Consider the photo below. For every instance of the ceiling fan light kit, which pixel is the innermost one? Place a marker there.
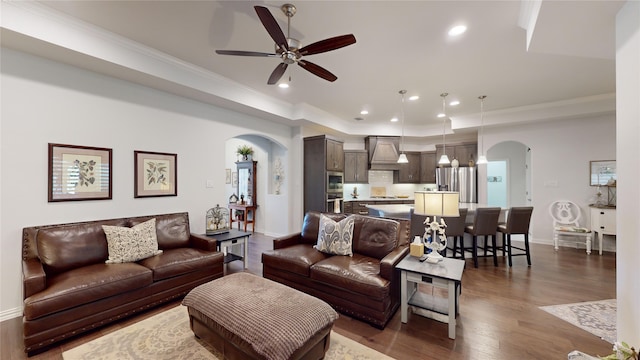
(289, 50)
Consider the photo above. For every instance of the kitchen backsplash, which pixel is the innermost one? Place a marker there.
(383, 179)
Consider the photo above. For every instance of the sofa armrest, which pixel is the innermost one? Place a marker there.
(203, 242)
(286, 241)
(389, 262)
(34, 279)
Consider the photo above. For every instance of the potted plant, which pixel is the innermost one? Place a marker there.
(246, 151)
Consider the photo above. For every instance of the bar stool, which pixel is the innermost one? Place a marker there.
(455, 229)
(518, 222)
(485, 224)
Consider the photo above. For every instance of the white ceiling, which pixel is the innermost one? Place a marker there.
(566, 66)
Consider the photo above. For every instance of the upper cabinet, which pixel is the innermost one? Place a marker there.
(409, 172)
(356, 163)
(335, 155)
(428, 164)
(463, 152)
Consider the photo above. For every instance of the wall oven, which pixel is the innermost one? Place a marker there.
(334, 182)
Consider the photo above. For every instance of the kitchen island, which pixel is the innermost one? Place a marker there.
(404, 210)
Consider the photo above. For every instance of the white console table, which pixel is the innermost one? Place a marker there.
(603, 222)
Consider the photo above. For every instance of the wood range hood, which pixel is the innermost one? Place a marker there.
(383, 152)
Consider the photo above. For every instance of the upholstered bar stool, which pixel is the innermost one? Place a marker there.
(485, 224)
(455, 229)
(518, 222)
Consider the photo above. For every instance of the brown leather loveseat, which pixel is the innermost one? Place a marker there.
(365, 285)
(69, 289)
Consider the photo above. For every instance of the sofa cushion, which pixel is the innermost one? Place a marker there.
(69, 246)
(335, 237)
(172, 230)
(311, 223)
(359, 274)
(84, 285)
(296, 259)
(131, 244)
(374, 237)
(175, 262)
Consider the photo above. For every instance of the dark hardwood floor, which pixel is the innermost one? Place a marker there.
(499, 315)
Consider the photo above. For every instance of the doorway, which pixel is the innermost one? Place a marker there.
(497, 183)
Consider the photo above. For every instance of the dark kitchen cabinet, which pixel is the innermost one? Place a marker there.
(462, 152)
(410, 172)
(428, 164)
(335, 155)
(356, 163)
(320, 156)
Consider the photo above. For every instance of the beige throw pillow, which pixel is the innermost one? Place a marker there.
(335, 237)
(131, 244)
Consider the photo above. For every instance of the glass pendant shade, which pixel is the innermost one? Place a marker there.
(402, 159)
(444, 159)
(481, 160)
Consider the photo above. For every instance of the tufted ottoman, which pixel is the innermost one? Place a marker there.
(247, 317)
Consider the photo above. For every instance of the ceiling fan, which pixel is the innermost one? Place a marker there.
(289, 50)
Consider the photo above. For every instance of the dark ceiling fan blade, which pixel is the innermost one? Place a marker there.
(244, 53)
(277, 73)
(328, 44)
(317, 70)
(269, 23)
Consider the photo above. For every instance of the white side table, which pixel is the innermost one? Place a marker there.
(603, 222)
(447, 274)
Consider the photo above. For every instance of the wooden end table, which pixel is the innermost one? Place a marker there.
(246, 209)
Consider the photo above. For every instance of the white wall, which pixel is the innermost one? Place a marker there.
(44, 101)
(560, 155)
(628, 150)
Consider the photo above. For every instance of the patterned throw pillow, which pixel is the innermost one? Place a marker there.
(131, 244)
(335, 237)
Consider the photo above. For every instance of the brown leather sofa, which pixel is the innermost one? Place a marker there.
(365, 286)
(69, 289)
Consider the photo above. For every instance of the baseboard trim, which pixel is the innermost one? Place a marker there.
(10, 314)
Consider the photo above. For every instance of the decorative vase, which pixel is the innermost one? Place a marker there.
(455, 163)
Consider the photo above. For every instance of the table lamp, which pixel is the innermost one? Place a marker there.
(436, 203)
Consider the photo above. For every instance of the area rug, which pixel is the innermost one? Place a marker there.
(167, 336)
(596, 317)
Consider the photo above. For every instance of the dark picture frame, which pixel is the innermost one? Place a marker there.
(155, 174)
(79, 173)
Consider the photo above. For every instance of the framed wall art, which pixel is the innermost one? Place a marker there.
(79, 173)
(155, 174)
(227, 178)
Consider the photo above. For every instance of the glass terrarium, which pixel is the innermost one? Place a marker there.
(217, 220)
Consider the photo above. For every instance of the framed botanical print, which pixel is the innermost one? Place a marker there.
(79, 173)
(155, 174)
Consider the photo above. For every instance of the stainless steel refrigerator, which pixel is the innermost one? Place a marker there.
(463, 180)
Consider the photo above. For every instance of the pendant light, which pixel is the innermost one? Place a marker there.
(444, 159)
(402, 159)
(482, 159)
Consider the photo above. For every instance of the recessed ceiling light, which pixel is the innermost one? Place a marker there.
(414, 97)
(364, 112)
(457, 30)
(395, 119)
(454, 103)
(441, 115)
(283, 85)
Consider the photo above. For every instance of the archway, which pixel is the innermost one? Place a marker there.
(271, 180)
